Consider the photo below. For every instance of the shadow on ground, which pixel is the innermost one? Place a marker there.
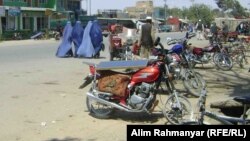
(138, 117)
(66, 139)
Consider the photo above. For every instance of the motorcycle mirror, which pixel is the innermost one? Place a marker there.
(157, 41)
(187, 35)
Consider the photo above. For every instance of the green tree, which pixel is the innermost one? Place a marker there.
(200, 11)
(232, 6)
(175, 12)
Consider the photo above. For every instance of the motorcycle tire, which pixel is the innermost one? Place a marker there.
(240, 60)
(57, 37)
(102, 47)
(223, 62)
(101, 111)
(193, 87)
(111, 56)
(97, 55)
(175, 115)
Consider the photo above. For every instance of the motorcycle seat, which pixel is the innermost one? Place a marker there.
(231, 40)
(158, 51)
(207, 49)
(243, 99)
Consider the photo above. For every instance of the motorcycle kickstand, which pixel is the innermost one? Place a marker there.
(156, 102)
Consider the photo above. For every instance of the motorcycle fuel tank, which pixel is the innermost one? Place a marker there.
(147, 74)
(177, 48)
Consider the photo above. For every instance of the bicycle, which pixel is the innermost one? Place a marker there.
(237, 51)
(226, 120)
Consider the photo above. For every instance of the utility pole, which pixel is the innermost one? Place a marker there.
(90, 7)
(165, 9)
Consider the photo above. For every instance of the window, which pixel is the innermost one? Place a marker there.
(43, 1)
(42, 23)
(11, 23)
(26, 23)
(60, 5)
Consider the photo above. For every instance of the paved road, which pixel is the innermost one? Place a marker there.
(40, 99)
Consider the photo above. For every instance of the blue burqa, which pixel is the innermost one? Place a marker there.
(96, 36)
(77, 35)
(65, 46)
(86, 48)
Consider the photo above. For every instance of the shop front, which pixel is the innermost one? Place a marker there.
(24, 20)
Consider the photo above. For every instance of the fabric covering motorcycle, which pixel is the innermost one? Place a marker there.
(65, 45)
(113, 82)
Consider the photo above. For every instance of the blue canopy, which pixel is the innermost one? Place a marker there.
(65, 46)
(86, 48)
(77, 35)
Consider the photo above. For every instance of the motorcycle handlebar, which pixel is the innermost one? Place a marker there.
(162, 47)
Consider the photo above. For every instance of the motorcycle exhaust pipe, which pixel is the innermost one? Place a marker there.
(196, 61)
(91, 96)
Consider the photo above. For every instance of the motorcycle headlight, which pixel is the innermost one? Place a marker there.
(168, 59)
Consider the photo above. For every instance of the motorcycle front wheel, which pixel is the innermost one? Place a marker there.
(175, 114)
(239, 60)
(98, 110)
(194, 83)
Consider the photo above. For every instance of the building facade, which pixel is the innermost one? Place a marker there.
(24, 14)
(141, 9)
(32, 15)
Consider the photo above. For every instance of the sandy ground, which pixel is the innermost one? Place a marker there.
(40, 101)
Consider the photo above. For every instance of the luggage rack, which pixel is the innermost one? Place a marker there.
(130, 64)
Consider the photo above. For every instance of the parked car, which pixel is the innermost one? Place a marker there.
(164, 28)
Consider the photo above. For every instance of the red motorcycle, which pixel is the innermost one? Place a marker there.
(134, 91)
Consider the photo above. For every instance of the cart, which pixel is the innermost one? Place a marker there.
(121, 39)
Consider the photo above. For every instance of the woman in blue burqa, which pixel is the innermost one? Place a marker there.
(77, 35)
(65, 48)
(96, 37)
(86, 48)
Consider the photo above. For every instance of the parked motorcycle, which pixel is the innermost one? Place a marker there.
(204, 55)
(134, 91)
(214, 52)
(17, 36)
(179, 63)
(55, 34)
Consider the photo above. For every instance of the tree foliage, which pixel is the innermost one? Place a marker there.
(202, 12)
(232, 6)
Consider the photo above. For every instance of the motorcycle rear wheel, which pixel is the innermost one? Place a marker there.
(177, 115)
(224, 62)
(98, 110)
(239, 60)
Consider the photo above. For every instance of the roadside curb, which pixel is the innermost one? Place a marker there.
(25, 42)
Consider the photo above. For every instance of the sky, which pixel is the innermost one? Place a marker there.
(121, 4)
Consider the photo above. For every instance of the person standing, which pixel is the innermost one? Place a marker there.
(199, 29)
(224, 31)
(146, 38)
(65, 48)
(77, 34)
(59, 28)
(214, 31)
